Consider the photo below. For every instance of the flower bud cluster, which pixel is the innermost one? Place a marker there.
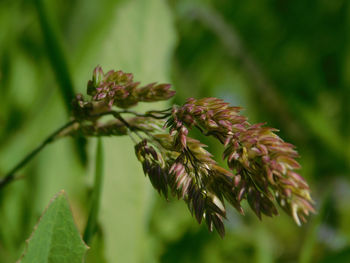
(191, 175)
(262, 163)
(153, 166)
(114, 127)
(119, 89)
(116, 88)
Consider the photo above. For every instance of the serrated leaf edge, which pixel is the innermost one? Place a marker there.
(60, 193)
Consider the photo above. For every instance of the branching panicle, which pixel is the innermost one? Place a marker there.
(262, 167)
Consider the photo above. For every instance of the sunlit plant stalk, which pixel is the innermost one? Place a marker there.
(91, 224)
(261, 166)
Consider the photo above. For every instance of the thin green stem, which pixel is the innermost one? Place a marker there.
(152, 114)
(91, 225)
(10, 176)
(118, 116)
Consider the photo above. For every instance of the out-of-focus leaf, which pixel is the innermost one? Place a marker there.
(140, 40)
(55, 238)
(308, 249)
(55, 54)
(339, 257)
(60, 68)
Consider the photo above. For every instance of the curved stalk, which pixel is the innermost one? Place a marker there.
(91, 224)
(10, 176)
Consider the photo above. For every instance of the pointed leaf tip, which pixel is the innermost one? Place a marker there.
(55, 238)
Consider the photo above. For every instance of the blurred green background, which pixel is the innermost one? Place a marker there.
(287, 62)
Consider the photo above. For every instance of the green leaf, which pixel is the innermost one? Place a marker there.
(55, 237)
(140, 40)
(55, 54)
(60, 67)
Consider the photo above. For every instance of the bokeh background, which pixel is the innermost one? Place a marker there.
(287, 62)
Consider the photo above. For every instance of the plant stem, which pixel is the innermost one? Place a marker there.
(9, 177)
(160, 115)
(96, 194)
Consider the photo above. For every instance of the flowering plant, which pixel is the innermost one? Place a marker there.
(261, 166)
